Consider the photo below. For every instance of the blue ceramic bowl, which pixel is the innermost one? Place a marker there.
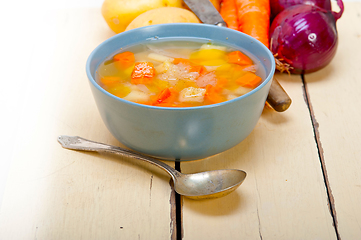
(181, 133)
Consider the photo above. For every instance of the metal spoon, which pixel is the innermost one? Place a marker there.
(201, 185)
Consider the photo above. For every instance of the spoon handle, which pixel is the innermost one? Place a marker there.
(78, 143)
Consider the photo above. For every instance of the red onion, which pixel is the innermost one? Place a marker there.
(278, 6)
(304, 38)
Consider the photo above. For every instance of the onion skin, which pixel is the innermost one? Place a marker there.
(278, 6)
(304, 37)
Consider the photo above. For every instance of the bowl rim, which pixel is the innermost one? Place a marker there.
(268, 78)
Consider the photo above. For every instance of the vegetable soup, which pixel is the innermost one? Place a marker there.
(179, 73)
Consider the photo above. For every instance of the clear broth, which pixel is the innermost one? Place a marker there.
(175, 49)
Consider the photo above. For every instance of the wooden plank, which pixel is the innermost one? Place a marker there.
(283, 196)
(53, 193)
(335, 98)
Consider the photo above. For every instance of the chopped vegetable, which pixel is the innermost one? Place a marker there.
(163, 67)
(198, 69)
(249, 79)
(124, 59)
(143, 73)
(192, 94)
(166, 98)
(239, 58)
(213, 94)
(178, 72)
(137, 96)
(164, 94)
(207, 54)
(208, 57)
(221, 84)
(159, 57)
(119, 90)
(207, 79)
(242, 90)
(182, 61)
(110, 80)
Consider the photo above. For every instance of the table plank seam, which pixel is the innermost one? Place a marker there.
(315, 125)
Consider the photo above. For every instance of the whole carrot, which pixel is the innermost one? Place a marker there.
(254, 18)
(228, 12)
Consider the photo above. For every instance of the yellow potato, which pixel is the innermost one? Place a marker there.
(163, 15)
(119, 13)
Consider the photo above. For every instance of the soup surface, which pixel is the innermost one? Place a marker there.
(179, 73)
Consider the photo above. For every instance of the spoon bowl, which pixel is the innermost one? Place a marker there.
(209, 184)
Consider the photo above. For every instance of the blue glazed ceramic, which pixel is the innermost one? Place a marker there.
(181, 133)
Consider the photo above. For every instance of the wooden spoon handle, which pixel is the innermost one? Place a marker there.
(277, 97)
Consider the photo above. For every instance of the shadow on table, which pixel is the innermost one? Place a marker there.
(129, 162)
(274, 117)
(228, 204)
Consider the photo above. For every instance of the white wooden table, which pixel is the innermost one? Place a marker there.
(303, 165)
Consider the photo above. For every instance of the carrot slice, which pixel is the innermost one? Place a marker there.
(181, 60)
(221, 83)
(213, 95)
(164, 94)
(109, 80)
(166, 98)
(249, 80)
(239, 58)
(124, 59)
(143, 73)
(198, 68)
(193, 67)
